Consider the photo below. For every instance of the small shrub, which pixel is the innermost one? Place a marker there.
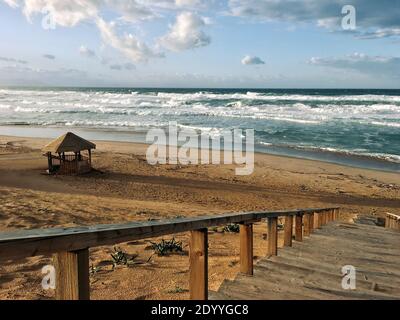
(178, 290)
(166, 247)
(119, 257)
(93, 270)
(233, 228)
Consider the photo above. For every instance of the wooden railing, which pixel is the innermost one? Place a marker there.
(392, 221)
(70, 246)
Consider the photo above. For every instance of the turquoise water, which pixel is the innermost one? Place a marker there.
(324, 124)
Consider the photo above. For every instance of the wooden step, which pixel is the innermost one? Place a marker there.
(312, 269)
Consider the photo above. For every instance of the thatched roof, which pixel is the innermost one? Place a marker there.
(69, 142)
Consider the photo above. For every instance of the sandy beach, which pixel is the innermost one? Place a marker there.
(126, 188)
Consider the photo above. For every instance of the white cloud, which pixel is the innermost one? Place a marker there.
(128, 44)
(252, 60)
(375, 18)
(72, 12)
(126, 66)
(186, 33)
(49, 56)
(6, 59)
(362, 63)
(12, 3)
(85, 51)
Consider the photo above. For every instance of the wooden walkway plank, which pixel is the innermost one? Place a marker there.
(312, 268)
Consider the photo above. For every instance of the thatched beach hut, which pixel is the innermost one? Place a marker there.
(69, 154)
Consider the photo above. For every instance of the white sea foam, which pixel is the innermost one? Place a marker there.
(386, 124)
(278, 116)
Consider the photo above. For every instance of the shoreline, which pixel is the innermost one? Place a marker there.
(139, 137)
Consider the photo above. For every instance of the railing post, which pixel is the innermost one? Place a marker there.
(317, 220)
(198, 256)
(288, 230)
(272, 236)
(323, 220)
(299, 227)
(72, 275)
(306, 222)
(311, 219)
(246, 248)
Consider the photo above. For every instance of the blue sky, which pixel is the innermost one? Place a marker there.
(192, 43)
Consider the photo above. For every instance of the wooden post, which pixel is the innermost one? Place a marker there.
(299, 227)
(311, 218)
(272, 236)
(198, 256)
(90, 158)
(72, 275)
(246, 248)
(288, 229)
(317, 220)
(306, 225)
(323, 218)
(49, 162)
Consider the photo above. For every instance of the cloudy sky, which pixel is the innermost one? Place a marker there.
(194, 43)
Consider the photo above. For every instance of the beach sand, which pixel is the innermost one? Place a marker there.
(126, 188)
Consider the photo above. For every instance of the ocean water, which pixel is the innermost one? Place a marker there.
(355, 127)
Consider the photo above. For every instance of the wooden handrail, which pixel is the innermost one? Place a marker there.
(71, 255)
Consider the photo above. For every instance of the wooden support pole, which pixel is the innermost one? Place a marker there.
(90, 158)
(72, 275)
(299, 227)
(317, 220)
(323, 218)
(198, 269)
(288, 230)
(272, 235)
(311, 218)
(306, 222)
(49, 162)
(246, 248)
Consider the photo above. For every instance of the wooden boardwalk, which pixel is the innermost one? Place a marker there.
(312, 269)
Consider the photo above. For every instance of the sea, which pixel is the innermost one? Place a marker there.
(359, 128)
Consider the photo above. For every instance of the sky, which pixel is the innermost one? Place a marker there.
(194, 43)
